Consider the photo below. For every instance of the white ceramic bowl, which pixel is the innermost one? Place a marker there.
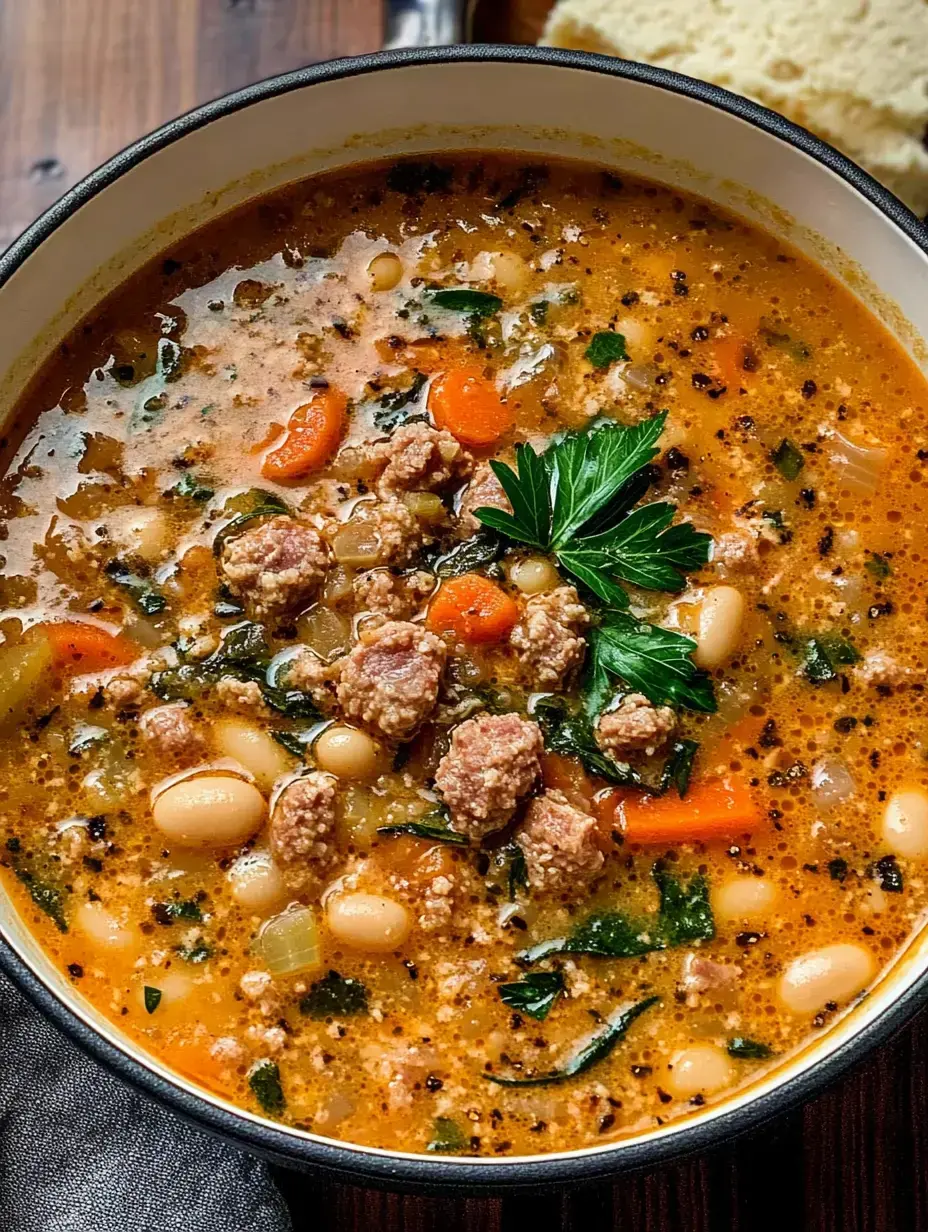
(538, 102)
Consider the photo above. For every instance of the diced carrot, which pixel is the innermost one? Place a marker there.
(313, 434)
(78, 647)
(566, 774)
(469, 406)
(714, 808)
(193, 1059)
(416, 861)
(474, 609)
(729, 354)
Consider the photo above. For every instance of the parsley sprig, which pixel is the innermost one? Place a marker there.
(576, 501)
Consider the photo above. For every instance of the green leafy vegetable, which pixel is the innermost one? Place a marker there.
(824, 655)
(294, 742)
(787, 459)
(773, 334)
(887, 874)
(748, 1049)
(576, 499)
(484, 548)
(535, 994)
(596, 1049)
(605, 348)
(335, 996)
(46, 895)
(684, 916)
(571, 735)
(878, 566)
(474, 304)
(262, 504)
(146, 596)
(152, 998)
(264, 1081)
(394, 406)
(188, 487)
(679, 767)
(197, 953)
(650, 660)
(447, 1137)
(176, 909)
(436, 827)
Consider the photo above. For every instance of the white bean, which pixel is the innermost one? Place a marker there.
(505, 268)
(368, 921)
(534, 575)
(139, 530)
(257, 751)
(698, 1070)
(832, 973)
(256, 882)
(905, 823)
(174, 987)
(102, 927)
(348, 753)
(745, 898)
(720, 618)
(209, 811)
(385, 271)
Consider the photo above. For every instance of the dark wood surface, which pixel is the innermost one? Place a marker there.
(79, 79)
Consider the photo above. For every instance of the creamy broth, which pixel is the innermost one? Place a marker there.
(469, 834)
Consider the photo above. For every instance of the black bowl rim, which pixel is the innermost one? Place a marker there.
(342, 1160)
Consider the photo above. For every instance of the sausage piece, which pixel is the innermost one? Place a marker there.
(635, 724)
(548, 638)
(492, 763)
(389, 681)
(419, 458)
(483, 491)
(559, 845)
(168, 731)
(302, 831)
(275, 568)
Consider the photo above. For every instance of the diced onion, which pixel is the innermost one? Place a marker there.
(859, 467)
(424, 505)
(832, 783)
(324, 631)
(290, 942)
(357, 544)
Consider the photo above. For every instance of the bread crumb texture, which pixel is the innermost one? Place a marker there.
(853, 71)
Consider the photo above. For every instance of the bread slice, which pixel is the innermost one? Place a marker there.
(853, 71)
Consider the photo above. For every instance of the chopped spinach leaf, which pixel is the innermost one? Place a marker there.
(197, 953)
(517, 870)
(263, 504)
(787, 459)
(605, 348)
(823, 655)
(773, 334)
(748, 1049)
(176, 909)
(294, 742)
(474, 304)
(447, 1137)
(438, 830)
(264, 1081)
(152, 998)
(46, 895)
(596, 1049)
(394, 406)
(571, 735)
(188, 487)
(878, 566)
(535, 994)
(679, 766)
(335, 996)
(684, 916)
(145, 595)
(484, 548)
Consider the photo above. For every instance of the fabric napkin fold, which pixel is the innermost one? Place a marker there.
(81, 1151)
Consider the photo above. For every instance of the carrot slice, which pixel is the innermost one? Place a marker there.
(714, 808)
(313, 434)
(78, 647)
(468, 405)
(729, 354)
(474, 609)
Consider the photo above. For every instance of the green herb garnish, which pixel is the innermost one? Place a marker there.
(576, 500)
(447, 1137)
(787, 459)
(824, 655)
(145, 595)
(482, 549)
(263, 505)
(152, 998)
(46, 895)
(294, 742)
(650, 660)
(775, 336)
(684, 916)
(394, 405)
(474, 304)
(571, 734)
(535, 994)
(748, 1049)
(437, 830)
(679, 766)
(878, 566)
(606, 348)
(335, 996)
(197, 953)
(596, 1049)
(264, 1081)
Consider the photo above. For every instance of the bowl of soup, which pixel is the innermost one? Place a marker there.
(463, 616)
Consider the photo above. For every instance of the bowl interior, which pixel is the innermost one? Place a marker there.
(539, 104)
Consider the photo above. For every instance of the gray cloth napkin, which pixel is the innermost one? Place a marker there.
(81, 1151)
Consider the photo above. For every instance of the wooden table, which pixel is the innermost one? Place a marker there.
(79, 79)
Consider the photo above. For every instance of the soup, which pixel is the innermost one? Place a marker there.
(462, 669)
